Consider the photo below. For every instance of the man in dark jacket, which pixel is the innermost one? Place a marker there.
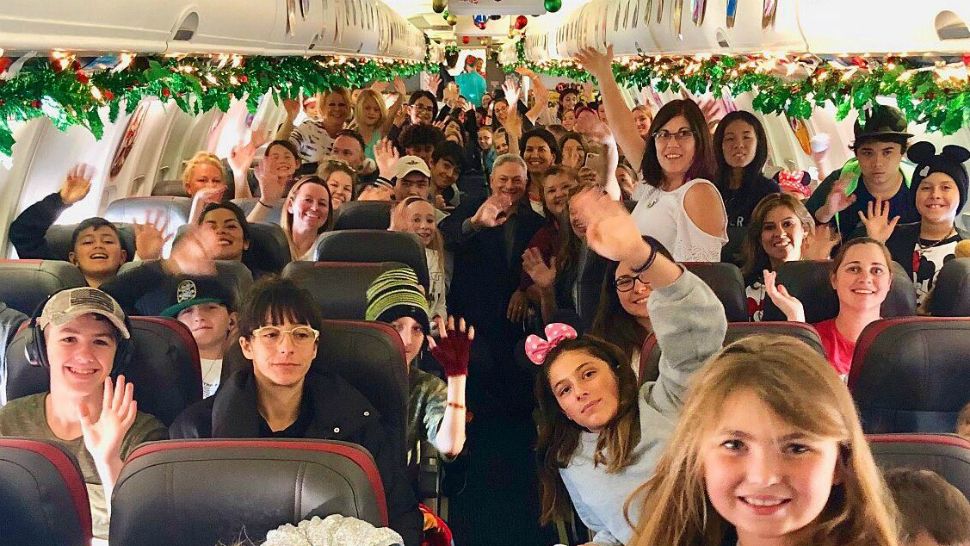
(279, 397)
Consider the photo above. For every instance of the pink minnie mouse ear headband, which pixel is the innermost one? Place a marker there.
(537, 348)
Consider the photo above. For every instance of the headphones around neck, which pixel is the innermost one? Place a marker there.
(35, 348)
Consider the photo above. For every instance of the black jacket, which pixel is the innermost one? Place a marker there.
(28, 229)
(340, 412)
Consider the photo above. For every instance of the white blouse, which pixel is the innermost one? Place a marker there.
(661, 215)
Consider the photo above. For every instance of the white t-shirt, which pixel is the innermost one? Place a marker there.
(661, 215)
(211, 371)
(439, 285)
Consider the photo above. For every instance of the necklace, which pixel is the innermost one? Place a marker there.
(921, 247)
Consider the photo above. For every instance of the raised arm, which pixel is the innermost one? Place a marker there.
(618, 114)
(28, 230)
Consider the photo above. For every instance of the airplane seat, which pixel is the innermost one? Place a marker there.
(365, 245)
(727, 283)
(268, 248)
(28, 283)
(339, 288)
(169, 188)
(731, 252)
(946, 454)
(369, 356)
(190, 491)
(45, 500)
(230, 272)
(363, 215)
(248, 203)
(911, 374)
(809, 281)
(650, 353)
(165, 368)
(59, 241)
(134, 209)
(951, 294)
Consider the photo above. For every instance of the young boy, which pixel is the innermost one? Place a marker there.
(208, 309)
(90, 409)
(932, 511)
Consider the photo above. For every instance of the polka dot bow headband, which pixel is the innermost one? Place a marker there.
(537, 348)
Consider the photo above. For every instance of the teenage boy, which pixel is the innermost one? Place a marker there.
(280, 397)
(208, 309)
(875, 174)
(84, 341)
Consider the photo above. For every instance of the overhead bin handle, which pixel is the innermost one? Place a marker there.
(187, 28)
(949, 26)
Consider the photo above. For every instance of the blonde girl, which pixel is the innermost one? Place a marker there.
(307, 213)
(417, 215)
(769, 450)
(373, 118)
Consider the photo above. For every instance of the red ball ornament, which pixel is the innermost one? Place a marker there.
(520, 22)
(5, 63)
(108, 95)
(35, 103)
(465, 40)
(243, 78)
(166, 92)
(966, 60)
(82, 77)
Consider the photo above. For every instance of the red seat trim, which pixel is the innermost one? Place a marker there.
(68, 472)
(929, 439)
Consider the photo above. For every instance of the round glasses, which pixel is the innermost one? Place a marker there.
(271, 336)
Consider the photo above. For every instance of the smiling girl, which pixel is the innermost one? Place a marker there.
(773, 454)
(599, 434)
(861, 277)
(417, 215)
(741, 148)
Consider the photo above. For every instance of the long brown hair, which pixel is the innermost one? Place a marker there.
(803, 390)
(286, 217)
(559, 436)
(612, 321)
(753, 257)
(704, 164)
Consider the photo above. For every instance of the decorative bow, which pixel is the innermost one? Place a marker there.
(791, 181)
(537, 348)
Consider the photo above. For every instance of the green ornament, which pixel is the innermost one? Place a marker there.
(552, 6)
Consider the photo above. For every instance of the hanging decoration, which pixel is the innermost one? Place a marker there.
(937, 94)
(520, 22)
(732, 12)
(439, 5)
(768, 14)
(495, 17)
(59, 89)
(552, 6)
(465, 40)
(480, 21)
(452, 19)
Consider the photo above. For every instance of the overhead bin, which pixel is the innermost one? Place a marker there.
(246, 27)
(881, 26)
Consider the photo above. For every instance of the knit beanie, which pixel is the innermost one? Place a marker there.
(395, 294)
(949, 161)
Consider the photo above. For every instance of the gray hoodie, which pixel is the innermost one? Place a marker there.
(688, 321)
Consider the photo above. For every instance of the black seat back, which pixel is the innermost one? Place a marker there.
(363, 215)
(28, 283)
(911, 374)
(946, 454)
(43, 498)
(951, 293)
(650, 353)
(339, 288)
(728, 285)
(365, 245)
(165, 368)
(196, 491)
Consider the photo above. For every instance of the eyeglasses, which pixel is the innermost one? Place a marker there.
(422, 108)
(626, 283)
(664, 135)
(271, 336)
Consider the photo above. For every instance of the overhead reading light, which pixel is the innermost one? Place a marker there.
(949, 26)
(186, 30)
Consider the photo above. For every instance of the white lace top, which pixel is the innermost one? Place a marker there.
(661, 215)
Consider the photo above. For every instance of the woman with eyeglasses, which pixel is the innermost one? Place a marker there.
(680, 208)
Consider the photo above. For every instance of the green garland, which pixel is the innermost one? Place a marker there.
(72, 97)
(922, 95)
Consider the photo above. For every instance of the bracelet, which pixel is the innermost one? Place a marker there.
(456, 405)
(653, 255)
(260, 201)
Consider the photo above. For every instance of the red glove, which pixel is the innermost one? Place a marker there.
(453, 348)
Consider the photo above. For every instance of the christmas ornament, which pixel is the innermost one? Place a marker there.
(552, 6)
(439, 5)
(520, 22)
(465, 40)
(452, 19)
(732, 12)
(480, 19)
